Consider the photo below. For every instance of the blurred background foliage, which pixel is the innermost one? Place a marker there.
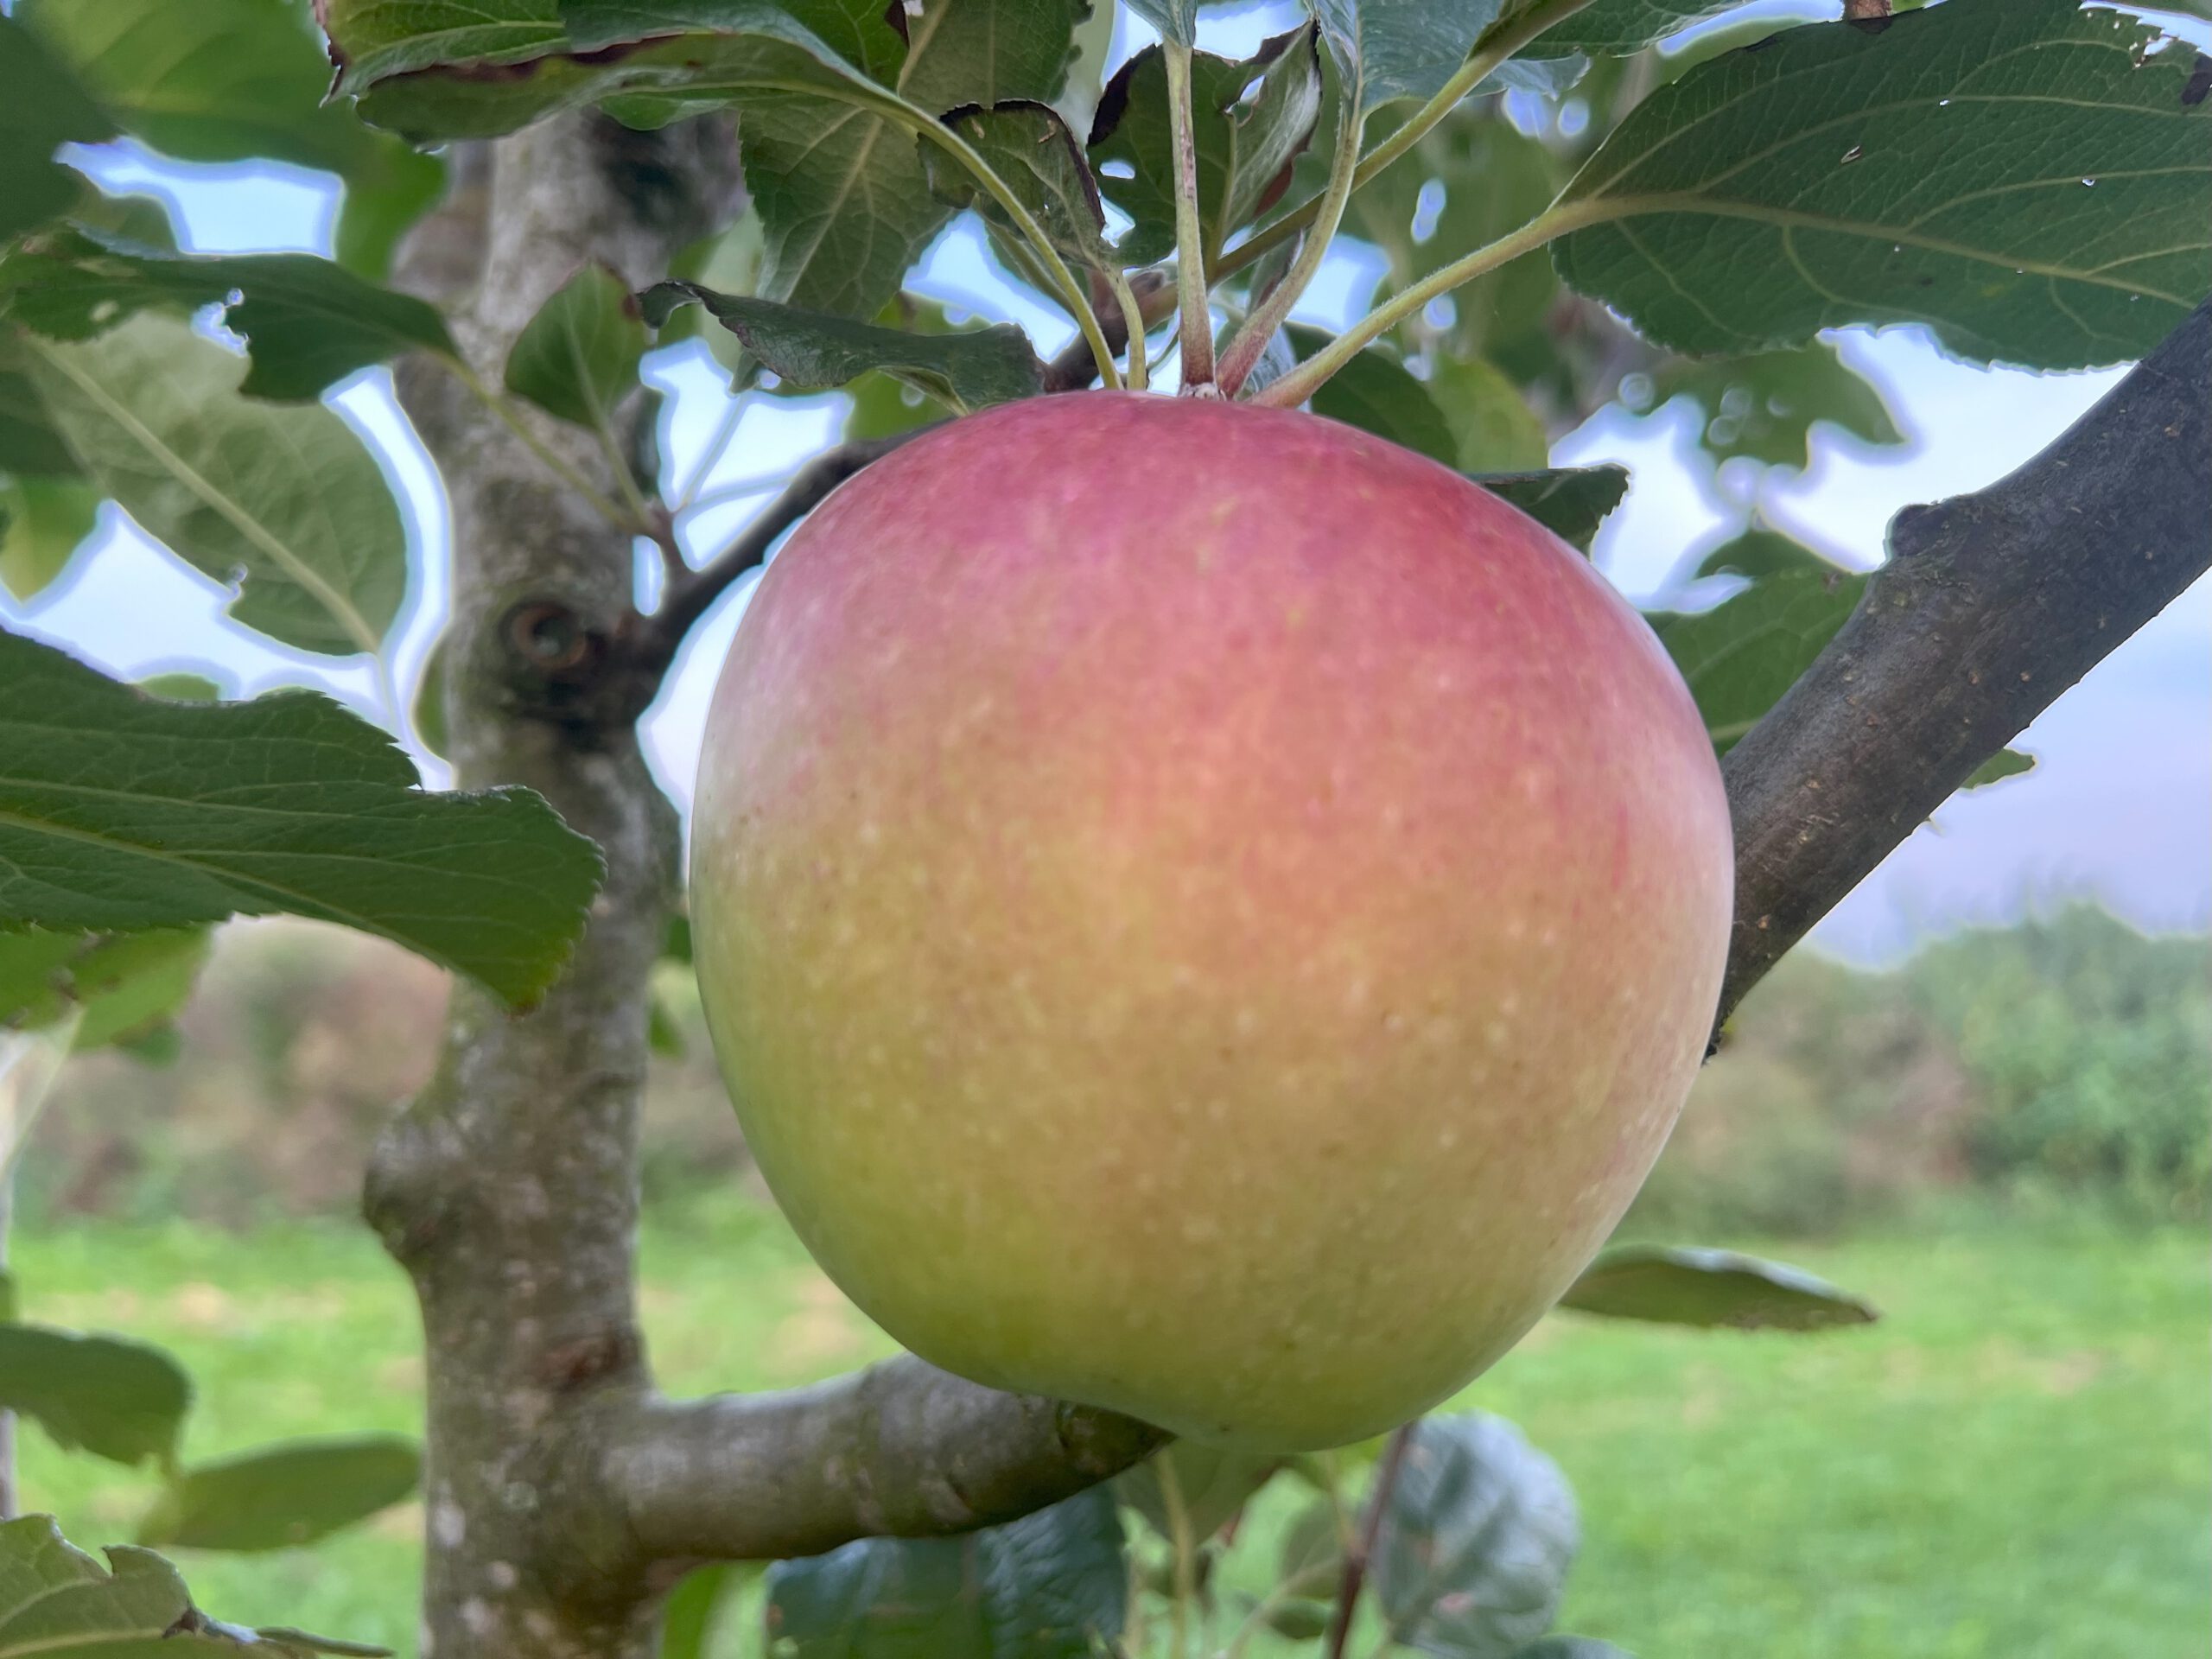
(2062, 1061)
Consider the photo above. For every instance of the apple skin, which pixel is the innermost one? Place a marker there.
(1202, 911)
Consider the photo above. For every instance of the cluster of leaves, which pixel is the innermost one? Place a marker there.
(1463, 1538)
(55, 1598)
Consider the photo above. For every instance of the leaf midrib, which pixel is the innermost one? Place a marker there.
(336, 604)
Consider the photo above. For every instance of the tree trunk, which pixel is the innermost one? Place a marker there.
(509, 1189)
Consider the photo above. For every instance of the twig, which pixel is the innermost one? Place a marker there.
(692, 593)
(1362, 1550)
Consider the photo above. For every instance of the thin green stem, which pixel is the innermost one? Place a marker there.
(1300, 384)
(555, 463)
(1505, 44)
(1139, 377)
(1191, 284)
(1270, 313)
(618, 464)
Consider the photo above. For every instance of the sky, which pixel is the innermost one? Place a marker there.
(2119, 807)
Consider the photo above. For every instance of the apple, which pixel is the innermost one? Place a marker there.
(1202, 911)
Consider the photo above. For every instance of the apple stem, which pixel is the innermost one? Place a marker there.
(1362, 1550)
(1192, 287)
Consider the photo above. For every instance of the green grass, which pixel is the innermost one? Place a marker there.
(2015, 1462)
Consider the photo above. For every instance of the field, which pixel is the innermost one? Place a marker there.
(2015, 1462)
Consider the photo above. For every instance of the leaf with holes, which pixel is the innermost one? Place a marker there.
(1476, 1541)
(2018, 174)
(577, 359)
(966, 371)
(1050, 1585)
(1667, 1285)
(1245, 146)
(119, 812)
(45, 109)
(229, 80)
(121, 1400)
(1029, 146)
(289, 499)
(283, 1496)
(1571, 502)
(308, 321)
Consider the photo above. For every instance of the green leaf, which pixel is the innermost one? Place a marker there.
(42, 522)
(2015, 173)
(118, 812)
(117, 1400)
(1763, 407)
(1571, 502)
(1669, 1285)
(1300, 1620)
(29, 447)
(124, 986)
(2006, 763)
(1050, 1586)
(1411, 48)
(1573, 1647)
(308, 322)
(577, 359)
(1176, 20)
(695, 1607)
(1028, 146)
(1494, 428)
(1476, 1539)
(56, 1599)
(1740, 657)
(290, 497)
(44, 109)
(1211, 1486)
(227, 81)
(965, 370)
(842, 202)
(1245, 147)
(371, 39)
(1376, 393)
(1620, 28)
(281, 1496)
